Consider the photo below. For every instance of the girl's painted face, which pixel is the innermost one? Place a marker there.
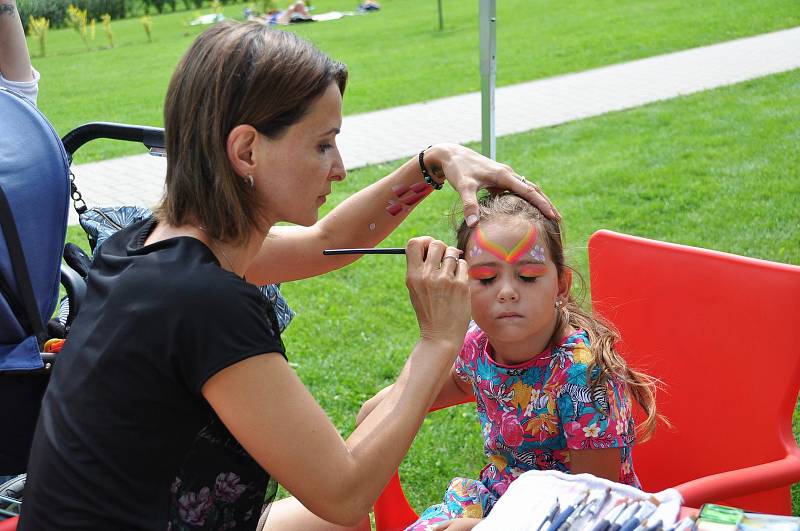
(513, 285)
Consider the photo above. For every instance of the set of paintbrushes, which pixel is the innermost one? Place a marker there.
(602, 511)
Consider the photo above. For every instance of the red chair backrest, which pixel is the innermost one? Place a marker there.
(720, 331)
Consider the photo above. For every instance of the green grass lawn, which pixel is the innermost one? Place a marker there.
(397, 55)
(719, 169)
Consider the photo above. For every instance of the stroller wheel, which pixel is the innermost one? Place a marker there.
(13, 487)
(11, 498)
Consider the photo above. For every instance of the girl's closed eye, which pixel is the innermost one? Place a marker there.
(530, 272)
(325, 147)
(483, 274)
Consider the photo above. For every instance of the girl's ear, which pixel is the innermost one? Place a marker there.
(564, 283)
(242, 141)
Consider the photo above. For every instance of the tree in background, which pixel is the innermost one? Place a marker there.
(106, 18)
(147, 24)
(76, 19)
(37, 28)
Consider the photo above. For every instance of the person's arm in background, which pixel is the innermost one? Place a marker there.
(16, 70)
(15, 63)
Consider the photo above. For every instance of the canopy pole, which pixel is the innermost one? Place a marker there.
(488, 54)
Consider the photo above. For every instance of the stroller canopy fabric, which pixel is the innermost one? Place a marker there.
(34, 177)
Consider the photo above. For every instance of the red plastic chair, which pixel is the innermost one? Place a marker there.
(392, 510)
(719, 331)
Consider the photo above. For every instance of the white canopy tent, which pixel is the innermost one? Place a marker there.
(488, 69)
(488, 54)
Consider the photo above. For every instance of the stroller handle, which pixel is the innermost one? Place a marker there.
(151, 137)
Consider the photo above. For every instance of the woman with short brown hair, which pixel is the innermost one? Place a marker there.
(171, 334)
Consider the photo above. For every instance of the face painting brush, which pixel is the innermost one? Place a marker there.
(365, 250)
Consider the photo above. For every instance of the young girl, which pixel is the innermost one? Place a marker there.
(551, 391)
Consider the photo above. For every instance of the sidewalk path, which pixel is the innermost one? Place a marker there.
(400, 132)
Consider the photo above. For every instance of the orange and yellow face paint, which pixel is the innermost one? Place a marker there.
(526, 247)
(482, 272)
(532, 270)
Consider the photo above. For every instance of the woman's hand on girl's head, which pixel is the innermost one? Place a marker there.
(468, 171)
(438, 285)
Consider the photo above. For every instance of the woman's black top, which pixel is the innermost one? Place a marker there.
(124, 403)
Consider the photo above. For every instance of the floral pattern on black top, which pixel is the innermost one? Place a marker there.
(219, 485)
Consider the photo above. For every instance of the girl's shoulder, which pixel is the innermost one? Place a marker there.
(475, 338)
(474, 332)
(577, 339)
(574, 355)
(578, 345)
(474, 344)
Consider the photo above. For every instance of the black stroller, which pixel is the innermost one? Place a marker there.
(35, 187)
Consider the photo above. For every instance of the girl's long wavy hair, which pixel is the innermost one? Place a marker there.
(602, 334)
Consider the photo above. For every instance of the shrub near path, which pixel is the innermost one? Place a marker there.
(397, 55)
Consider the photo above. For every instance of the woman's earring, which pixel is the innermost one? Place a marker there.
(559, 302)
(250, 180)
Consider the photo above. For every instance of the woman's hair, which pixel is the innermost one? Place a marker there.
(233, 74)
(602, 335)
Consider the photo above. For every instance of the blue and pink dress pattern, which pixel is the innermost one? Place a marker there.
(531, 415)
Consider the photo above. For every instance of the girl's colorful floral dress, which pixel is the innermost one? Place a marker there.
(531, 415)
